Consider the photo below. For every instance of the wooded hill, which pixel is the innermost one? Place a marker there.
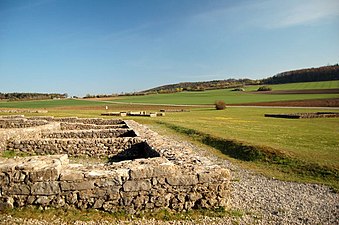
(324, 73)
(202, 86)
(30, 96)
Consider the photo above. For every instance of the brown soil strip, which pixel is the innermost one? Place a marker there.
(331, 102)
(122, 107)
(307, 91)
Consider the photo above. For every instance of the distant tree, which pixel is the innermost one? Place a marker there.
(220, 105)
(264, 88)
(238, 89)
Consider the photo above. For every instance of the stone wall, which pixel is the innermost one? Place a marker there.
(95, 121)
(305, 115)
(22, 111)
(24, 133)
(106, 133)
(20, 123)
(146, 172)
(81, 126)
(103, 147)
(130, 186)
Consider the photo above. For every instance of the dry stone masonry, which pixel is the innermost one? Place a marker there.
(305, 115)
(143, 171)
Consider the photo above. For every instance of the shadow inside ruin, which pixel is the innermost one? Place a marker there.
(129, 133)
(138, 151)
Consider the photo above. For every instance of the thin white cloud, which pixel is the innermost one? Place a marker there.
(304, 13)
(288, 13)
(269, 14)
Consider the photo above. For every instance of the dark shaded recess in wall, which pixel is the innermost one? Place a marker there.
(137, 151)
(129, 133)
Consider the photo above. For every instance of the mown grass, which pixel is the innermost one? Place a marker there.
(277, 160)
(232, 97)
(299, 86)
(289, 149)
(11, 154)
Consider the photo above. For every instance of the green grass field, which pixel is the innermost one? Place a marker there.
(300, 86)
(231, 97)
(309, 148)
(314, 140)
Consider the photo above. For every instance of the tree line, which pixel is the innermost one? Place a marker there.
(31, 96)
(201, 86)
(324, 73)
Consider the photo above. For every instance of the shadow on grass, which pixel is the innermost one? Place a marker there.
(245, 152)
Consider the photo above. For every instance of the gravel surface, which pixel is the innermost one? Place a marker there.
(261, 200)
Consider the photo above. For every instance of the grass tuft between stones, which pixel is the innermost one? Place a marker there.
(71, 215)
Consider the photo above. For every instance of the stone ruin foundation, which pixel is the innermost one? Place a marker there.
(141, 171)
(304, 115)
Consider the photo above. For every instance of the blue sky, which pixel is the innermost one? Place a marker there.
(110, 46)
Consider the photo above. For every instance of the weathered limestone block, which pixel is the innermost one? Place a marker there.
(72, 186)
(155, 167)
(47, 174)
(182, 180)
(19, 176)
(16, 189)
(45, 188)
(71, 175)
(98, 203)
(214, 175)
(140, 185)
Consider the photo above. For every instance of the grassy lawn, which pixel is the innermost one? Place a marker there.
(231, 97)
(300, 86)
(314, 140)
(309, 148)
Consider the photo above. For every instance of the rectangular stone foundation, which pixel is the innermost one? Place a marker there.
(143, 172)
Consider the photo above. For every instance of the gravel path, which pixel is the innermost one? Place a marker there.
(261, 200)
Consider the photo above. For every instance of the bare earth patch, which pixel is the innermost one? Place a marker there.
(306, 91)
(331, 102)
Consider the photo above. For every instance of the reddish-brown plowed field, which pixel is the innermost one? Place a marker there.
(309, 91)
(123, 107)
(332, 102)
